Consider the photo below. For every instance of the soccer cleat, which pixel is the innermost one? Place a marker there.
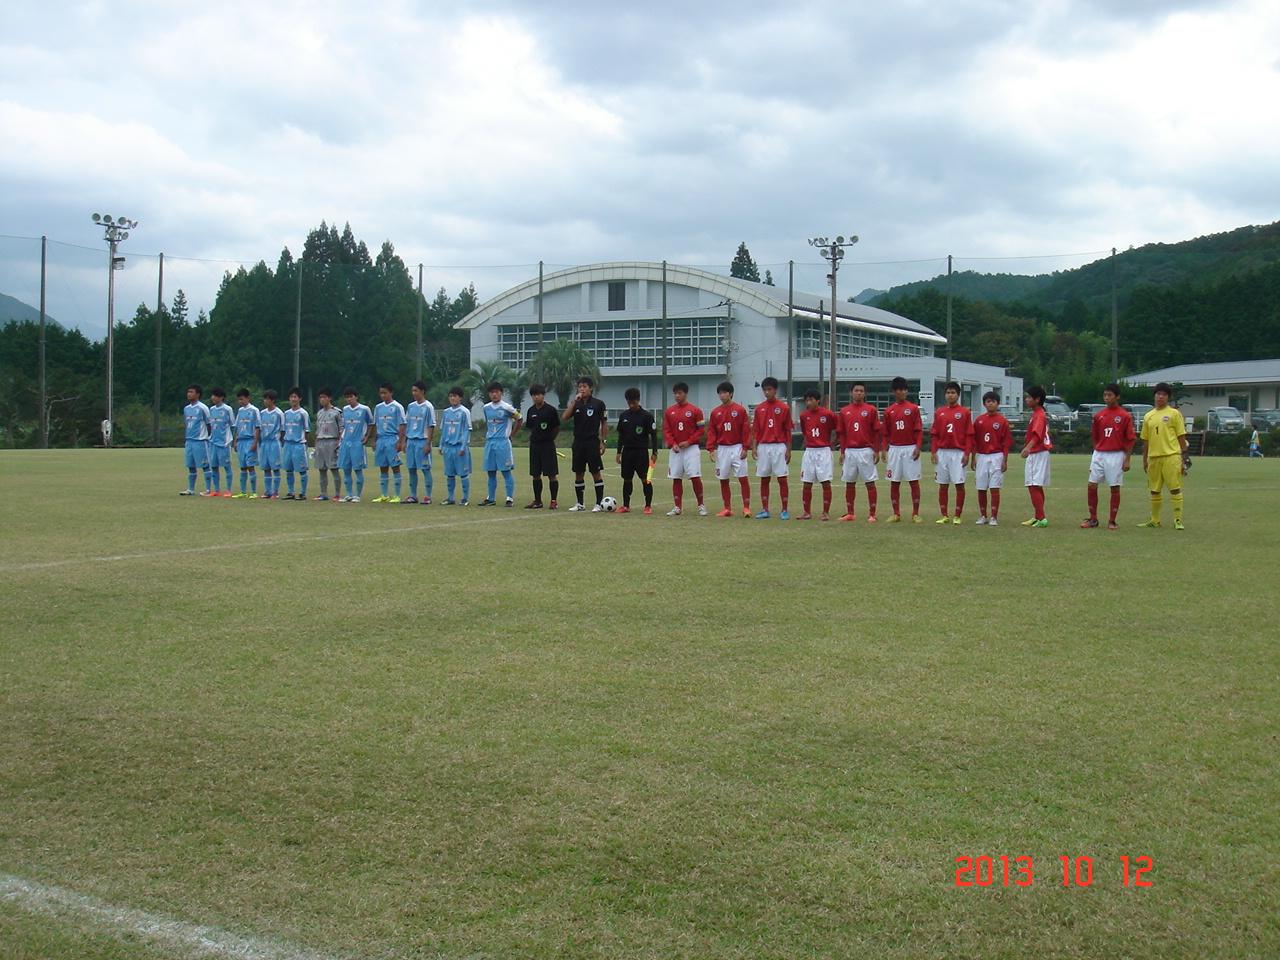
(322, 497)
(598, 508)
(553, 505)
(449, 503)
(425, 500)
(895, 518)
(393, 500)
(648, 510)
(1029, 523)
(847, 516)
(1150, 523)
(944, 519)
(702, 509)
(623, 510)
(825, 517)
(993, 522)
(956, 518)
(1177, 525)
(1089, 524)
(409, 500)
(287, 496)
(486, 502)
(577, 508)
(382, 499)
(186, 493)
(1042, 522)
(805, 516)
(536, 505)
(353, 499)
(915, 518)
(510, 502)
(240, 496)
(746, 514)
(726, 512)
(675, 512)
(872, 519)
(210, 493)
(784, 515)
(762, 515)
(980, 521)
(252, 496)
(1112, 525)
(225, 493)
(464, 503)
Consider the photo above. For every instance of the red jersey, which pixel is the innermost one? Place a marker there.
(1038, 431)
(903, 425)
(1113, 429)
(952, 428)
(818, 426)
(859, 426)
(773, 422)
(728, 425)
(992, 434)
(683, 423)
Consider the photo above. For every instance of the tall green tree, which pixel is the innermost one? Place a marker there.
(743, 267)
(559, 364)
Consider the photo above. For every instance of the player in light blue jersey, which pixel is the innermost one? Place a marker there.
(196, 416)
(357, 429)
(418, 431)
(297, 424)
(248, 433)
(391, 420)
(221, 437)
(455, 440)
(271, 425)
(501, 421)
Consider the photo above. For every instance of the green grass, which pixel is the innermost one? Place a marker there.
(401, 731)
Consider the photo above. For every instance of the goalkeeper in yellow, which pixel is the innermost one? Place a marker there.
(1164, 455)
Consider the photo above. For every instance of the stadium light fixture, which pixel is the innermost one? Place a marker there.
(833, 253)
(115, 232)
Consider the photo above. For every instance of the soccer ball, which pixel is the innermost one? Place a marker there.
(610, 504)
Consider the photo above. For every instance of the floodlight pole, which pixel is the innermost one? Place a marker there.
(833, 253)
(114, 232)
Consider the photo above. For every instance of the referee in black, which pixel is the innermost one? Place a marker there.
(637, 449)
(590, 431)
(543, 423)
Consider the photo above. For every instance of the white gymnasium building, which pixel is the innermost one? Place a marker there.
(650, 325)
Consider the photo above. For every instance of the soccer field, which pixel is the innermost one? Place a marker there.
(374, 731)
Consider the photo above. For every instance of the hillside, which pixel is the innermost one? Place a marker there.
(11, 308)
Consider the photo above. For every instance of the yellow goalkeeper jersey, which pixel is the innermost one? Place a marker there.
(1161, 430)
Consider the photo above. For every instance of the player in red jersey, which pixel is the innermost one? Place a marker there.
(859, 431)
(1113, 440)
(728, 438)
(903, 435)
(952, 435)
(1036, 453)
(682, 430)
(818, 424)
(771, 445)
(992, 439)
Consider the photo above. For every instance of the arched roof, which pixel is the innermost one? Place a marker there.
(764, 299)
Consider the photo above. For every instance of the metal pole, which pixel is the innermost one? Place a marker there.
(822, 346)
(297, 328)
(44, 419)
(791, 324)
(542, 367)
(417, 367)
(835, 312)
(664, 335)
(1115, 322)
(948, 318)
(155, 409)
(111, 323)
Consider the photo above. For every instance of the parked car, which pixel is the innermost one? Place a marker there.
(1225, 420)
(1085, 412)
(1266, 420)
(1139, 410)
(1061, 416)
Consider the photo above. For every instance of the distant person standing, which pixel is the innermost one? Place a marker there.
(455, 449)
(1255, 444)
(859, 431)
(198, 425)
(248, 433)
(771, 446)
(328, 431)
(391, 420)
(357, 429)
(683, 428)
(271, 420)
(637, 434)
(590, 433)
(221, 438)
(501, 421)
(952, 434)
(1036, 454)
(420, 425)
(1164, 452)
(542, 420)
(992, 440)
(728, 440)
(1113, 440)
(818, 424)
(903, 437)
(297, 424)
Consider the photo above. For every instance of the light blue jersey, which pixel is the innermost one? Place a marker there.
(499, 419)
(196, 415)
(247, 421)
(222, 420)
(271, 422)
(356, 422)
(297, 424)
(421, 415)
(390, 417)
(455, 427)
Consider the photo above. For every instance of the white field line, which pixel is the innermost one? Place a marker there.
(254, 543)
(187, 941)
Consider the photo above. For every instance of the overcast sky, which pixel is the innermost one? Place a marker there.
(481, 138)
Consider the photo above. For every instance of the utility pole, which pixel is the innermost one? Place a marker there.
(949, 297)
(833, 253)
(1115, 322)
(115, 232)
(155, 409)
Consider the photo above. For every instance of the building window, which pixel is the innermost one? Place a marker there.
(813, 339)
(622, 343)
(617, 295)
(1215, 391)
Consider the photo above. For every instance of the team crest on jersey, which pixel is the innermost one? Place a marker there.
(688, 413)
(956, 415)
(777, 410)
(863, 414)
(590, 412)
(733, 413)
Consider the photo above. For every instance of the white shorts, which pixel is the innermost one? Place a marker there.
(1037, 469)
(771, 460)
(815, 465)
(950, 466)
(987, 474)
(1107, 466)
(684, 463)
(860, 464)
(731, 461)
(903, 464)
